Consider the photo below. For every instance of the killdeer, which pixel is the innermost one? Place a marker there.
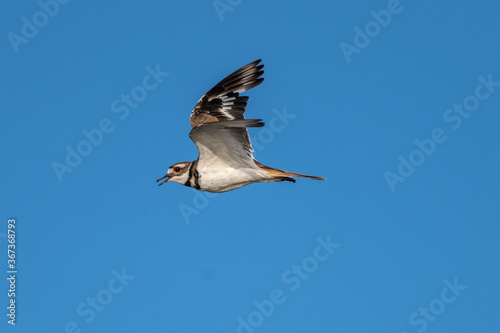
(219, 130)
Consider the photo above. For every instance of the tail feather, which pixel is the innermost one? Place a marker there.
(285, 175)
(301, 175)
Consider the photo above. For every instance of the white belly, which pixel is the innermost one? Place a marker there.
(226, 179)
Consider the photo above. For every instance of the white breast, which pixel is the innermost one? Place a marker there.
(218, 178)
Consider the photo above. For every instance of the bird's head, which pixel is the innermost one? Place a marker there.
(178, 172)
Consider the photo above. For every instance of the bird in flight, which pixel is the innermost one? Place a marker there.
(219, 131)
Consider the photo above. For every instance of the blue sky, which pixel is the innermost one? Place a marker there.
(396, 103)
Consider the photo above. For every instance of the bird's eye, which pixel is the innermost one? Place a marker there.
(177, 169)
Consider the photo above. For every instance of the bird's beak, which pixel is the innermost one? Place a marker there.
(163, 182)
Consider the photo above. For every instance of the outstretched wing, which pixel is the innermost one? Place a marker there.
(225, 142)
(223, 102)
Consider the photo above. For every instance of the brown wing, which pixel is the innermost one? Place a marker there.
(223, 102)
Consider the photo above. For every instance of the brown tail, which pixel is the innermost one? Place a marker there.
(285, 175)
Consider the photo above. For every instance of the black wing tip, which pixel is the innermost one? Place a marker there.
(254, 66)
(253, 122)
(259, 123)
(241, 80)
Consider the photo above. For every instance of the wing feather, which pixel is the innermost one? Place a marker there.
(225, 142)
(223, 102)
